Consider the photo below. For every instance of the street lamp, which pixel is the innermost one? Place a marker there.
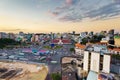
(52, 46)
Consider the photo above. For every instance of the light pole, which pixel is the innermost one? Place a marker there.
(52, 46)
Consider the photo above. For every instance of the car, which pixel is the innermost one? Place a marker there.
(43, 58)
(3, 57)
(104, 76)
(54, 62)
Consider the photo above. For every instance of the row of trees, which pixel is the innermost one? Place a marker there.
(116, 56)
(93, 39)
(6, 41)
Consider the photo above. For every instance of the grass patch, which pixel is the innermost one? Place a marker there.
(56, 47)
(56, 76)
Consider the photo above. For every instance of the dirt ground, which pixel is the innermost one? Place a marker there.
(29, 71)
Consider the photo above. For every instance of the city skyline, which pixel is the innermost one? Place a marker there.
(59, 15)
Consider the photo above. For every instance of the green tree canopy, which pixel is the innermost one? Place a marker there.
(6, 41)
(56, 76)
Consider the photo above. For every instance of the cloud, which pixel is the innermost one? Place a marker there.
(117, 1)
(108, 11)
(71, 2)
(71, 18)
(78, 10)
(10, 30)
(53, 14)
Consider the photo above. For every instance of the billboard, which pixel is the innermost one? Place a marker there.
(86, 60)
(95, 61)
(106, 63)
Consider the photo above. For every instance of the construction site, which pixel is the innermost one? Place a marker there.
(22, 71)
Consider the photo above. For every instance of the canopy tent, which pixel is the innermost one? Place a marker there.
(27, 51)
(30, 50)
(43, 52)
(34, 50)
(21, 54)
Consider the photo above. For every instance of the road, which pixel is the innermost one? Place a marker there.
(64, 51)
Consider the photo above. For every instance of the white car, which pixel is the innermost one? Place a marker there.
(54, 62)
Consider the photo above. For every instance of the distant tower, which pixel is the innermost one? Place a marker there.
(73, 33)
(111, 37)
(111, 34)
(21, 33)
(52, 35)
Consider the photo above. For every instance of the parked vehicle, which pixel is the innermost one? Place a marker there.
(54, 62)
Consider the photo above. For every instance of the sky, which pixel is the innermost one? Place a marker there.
(38, 16)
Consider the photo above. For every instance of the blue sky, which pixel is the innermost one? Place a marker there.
(56, 12)
(66, 10)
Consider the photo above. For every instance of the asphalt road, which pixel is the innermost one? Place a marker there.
(64, 51)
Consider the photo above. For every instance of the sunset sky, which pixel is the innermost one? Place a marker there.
(59, 15)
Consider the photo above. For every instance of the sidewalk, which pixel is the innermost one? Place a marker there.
(48, 77)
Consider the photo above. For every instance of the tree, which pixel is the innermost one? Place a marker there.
(56, 76)
(116, 56)
(6, 41)
(2, 46)
(96, 38)
(72, 49)
(84, 41)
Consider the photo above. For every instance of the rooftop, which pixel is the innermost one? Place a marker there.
(115, 49)
(78, 45)
(64, 41)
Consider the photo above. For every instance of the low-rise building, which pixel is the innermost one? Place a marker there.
(61, 41)
(79, 49)
(69, 68)
(3, 35)
(114, 51)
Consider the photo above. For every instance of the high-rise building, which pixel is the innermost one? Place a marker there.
(111, 34)
(73, 32)
(94, 61)
(21, 33)
(36, 38)
(111, 37)
(52, 35)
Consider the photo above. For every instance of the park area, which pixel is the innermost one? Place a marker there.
(22, 71)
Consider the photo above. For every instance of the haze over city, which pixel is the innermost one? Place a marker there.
(59, 15)
(59, 39)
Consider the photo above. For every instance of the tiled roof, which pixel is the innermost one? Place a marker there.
(55, 41)
(64, 78)
(115, 49)
(102, 43)
(65, 41)
(80, 46)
